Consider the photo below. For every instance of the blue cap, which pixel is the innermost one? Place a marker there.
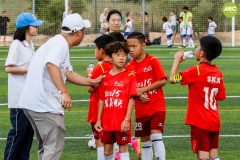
(27, 19)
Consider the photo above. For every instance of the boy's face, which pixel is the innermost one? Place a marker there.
(119, 59)
(136, 48)
(198, 52)
(98, 53)
(209, 20)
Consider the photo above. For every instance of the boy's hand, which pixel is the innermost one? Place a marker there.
(88, 72)
(179, 56)
(144, 98)
(125, 126)
(98, 126)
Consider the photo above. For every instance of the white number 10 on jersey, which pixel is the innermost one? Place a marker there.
(210, 99)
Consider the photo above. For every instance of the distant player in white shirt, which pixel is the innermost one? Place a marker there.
(129, 26)
(183, 31)
(190, 33)
(211, 26)
(167, 27)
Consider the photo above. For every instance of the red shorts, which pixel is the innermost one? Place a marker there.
(203, 140)
(110, 137)
(97, 135)
(144, 125)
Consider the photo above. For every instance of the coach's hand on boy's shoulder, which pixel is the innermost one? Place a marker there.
(98, 126)
(98, 80)
(179, 56)
(143, 98)
(125, 126)
(66, 101)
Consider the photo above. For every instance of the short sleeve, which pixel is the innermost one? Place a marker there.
(164, 26)
(190, 75)
(97, 71)
(70, 68)
(132, 86)
(56, 55)
(13, 54)
(101, 91)
(221, 95)
(214, 24)
(158, 69)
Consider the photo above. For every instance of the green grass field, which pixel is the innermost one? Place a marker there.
(178, 146)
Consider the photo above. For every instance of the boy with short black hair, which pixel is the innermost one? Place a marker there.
(98, 70)
(116, 103)
(150, 104)
(205, 87)
(167, 27)
(211, 26)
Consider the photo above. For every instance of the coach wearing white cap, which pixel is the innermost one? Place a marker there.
(45, 94)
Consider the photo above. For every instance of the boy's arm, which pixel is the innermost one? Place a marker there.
(151, 87)
(98, 125)
(178, 59)
(15, 70)
(126, 122)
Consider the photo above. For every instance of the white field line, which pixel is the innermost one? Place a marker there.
(87, 100)
(174, 136)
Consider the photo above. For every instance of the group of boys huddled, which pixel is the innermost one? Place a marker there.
(186, 28)
(138, 85)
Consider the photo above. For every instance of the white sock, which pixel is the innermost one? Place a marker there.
(108, 157)
(184, 42)
(192, 42)
(168, 43)
(124, 156)
(147, 153)
(159, 148)
(216, 158)
(100, 153)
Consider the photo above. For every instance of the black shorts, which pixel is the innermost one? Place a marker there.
(3, 30)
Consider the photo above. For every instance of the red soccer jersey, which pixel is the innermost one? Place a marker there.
(205, 87)
(94, 97)
(115, 91)
(148, 71)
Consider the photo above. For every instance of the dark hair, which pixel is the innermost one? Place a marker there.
(114, 47)
(4, 11)
(146, 13)
(114, 11)
(180, 18)
(103, 40)
(211, 46)
(137, 35)
(127, 14)
(164, 19)
(210, 18)
(20, 33)
(185, 7)
(117, 36)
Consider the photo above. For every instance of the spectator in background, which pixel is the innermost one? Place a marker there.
(173, 21)
(146, 23)
(4, 24)
(122, 24)
(70, 11)
(185, 14)
(103, 20)
(21, 51)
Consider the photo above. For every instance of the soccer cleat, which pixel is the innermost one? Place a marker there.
(117, 156)
(136, 145)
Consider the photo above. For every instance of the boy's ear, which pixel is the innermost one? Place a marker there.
(102, 51)
(202, 54)
(144, 45)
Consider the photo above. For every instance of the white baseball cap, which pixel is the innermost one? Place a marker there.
(75, 23)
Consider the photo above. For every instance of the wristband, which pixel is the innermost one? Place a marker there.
(128, 120)
(62, 91)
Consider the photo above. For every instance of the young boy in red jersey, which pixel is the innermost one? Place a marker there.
(116, 103)
(205, 87)
(99, 69)
(150, 104)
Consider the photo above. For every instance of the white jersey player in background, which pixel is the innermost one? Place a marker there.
(190, 33)
(167, 27)
(211, 26)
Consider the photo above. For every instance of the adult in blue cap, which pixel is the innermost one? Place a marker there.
(21, 51)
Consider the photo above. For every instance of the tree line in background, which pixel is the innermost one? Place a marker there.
(51, 12)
